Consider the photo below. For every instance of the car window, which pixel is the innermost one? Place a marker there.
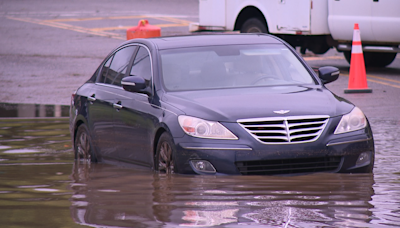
(115, 67)
(231, 66)
(142, 65)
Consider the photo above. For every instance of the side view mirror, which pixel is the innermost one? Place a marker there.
(135, 84)
(328, 74)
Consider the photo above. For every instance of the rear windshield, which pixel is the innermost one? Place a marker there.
(231, 66)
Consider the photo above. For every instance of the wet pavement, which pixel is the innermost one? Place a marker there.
(42, 186)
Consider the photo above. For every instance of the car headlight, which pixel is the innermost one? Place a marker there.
(204, 129)
(353, 121)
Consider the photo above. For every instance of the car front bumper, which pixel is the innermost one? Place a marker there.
(348, 153)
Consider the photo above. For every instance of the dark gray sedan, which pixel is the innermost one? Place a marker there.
(218, 104)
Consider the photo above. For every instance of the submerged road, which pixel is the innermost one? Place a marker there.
(50, 47)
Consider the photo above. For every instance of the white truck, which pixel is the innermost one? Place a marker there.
(316, 25)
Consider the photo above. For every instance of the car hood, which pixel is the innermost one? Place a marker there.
(229, 105)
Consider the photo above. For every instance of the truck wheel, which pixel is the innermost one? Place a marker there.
(254, 25)
(374, 59)
(347, 56)
(320, 47)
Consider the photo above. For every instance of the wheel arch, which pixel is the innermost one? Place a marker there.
(157, 136)
(247, 13)
(79, 121)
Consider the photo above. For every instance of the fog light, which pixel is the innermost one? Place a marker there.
(202, 166)
(363, 159)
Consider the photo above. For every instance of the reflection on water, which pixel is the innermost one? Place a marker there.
(33, 110)
(26, 136)
(35, 169)
(387, 171)
(42, 186)
(105, 195)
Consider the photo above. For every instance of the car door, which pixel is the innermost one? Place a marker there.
(136, 121)
(102, 101)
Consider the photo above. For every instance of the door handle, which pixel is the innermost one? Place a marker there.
(118, 105)
(91, 98)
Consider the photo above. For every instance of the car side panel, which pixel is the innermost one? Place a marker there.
(101, 120)
(135, 127)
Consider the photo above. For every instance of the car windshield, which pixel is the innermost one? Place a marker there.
(231, 66)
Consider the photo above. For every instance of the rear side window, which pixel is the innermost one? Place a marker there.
(115, 67)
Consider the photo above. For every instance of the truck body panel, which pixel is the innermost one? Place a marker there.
(379, 21)
(299, 19)
(316, 25)
(212, 13)
(319, 13)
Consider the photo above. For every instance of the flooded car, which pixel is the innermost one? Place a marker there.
(244, 104)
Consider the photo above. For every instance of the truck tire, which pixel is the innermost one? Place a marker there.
(254, 25)
(374, 59)
(319, 47)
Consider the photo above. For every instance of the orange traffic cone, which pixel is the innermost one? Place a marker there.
(143, 30)
(357, 77)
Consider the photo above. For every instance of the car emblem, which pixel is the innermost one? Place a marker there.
(282, 111)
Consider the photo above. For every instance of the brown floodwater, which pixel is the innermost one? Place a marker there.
(42, 186)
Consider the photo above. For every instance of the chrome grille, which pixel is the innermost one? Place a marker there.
(285, 130)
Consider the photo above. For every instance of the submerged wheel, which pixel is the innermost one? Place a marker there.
(254, 25)
(83, 145)
(165, 153)
(374, 59)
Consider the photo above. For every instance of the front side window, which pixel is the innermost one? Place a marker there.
(115, 67)
(231, 66)
(142, 66)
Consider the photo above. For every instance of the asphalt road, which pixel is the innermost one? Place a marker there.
(50, 47)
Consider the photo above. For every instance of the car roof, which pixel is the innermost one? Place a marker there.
(207, 40)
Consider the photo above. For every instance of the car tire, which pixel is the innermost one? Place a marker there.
(83, 145)
(254, 25)
(165, 155)
(374, 59)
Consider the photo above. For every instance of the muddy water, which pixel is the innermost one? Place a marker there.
(42, 186)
